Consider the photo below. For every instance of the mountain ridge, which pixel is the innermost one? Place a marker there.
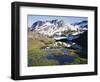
(57, 28)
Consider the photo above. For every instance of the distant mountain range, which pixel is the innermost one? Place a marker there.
(82, 24)
(58, 28)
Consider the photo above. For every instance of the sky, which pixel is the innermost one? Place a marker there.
(67, 19)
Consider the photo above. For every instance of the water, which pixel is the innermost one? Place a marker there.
(69, 37)
(65, 53)
(62, 59)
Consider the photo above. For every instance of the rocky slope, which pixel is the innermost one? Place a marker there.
(58, 28)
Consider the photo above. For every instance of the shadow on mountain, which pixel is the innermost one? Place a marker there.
(82, 41)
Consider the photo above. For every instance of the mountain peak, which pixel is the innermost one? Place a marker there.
(56, 27)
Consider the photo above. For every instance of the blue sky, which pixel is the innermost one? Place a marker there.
(68, 19)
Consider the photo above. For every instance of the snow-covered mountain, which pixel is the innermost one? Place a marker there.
(83, 24)
(53, 27)
(58, 29)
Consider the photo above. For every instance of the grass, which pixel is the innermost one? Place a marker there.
(73, 52)
(77, 61)
(38, 57)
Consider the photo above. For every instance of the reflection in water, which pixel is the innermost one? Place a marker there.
(65, 55)
(62, 59)
(70, 53)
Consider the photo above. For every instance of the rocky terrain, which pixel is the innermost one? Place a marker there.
(55, 42)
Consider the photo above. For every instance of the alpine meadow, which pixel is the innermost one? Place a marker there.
(57, 40)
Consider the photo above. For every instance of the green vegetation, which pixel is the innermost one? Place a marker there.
(36, 40)
(73, 52)
(77, 61)
(37, 56)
